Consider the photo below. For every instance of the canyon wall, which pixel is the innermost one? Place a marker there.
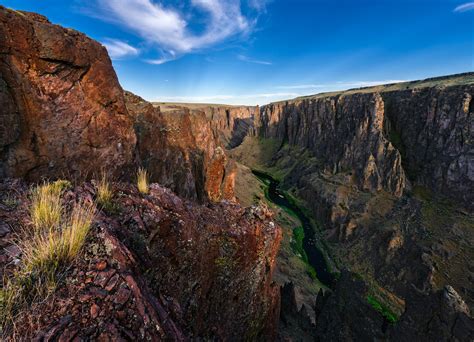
(387, 176)
(230, 123)
(64, 114)
(233, 123)
(181, 151)
(382, 138)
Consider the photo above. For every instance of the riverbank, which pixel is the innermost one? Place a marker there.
(304, 234)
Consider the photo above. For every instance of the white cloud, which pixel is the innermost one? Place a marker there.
(168, 30)
(357, 84)
(301, 86)
(259, 5)
(251, 60)
(118, 49)
(244, 99)
(468, 6)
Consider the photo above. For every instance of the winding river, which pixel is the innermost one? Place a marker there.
(315, 256)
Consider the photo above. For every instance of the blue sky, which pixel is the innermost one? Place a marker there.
(258, 51)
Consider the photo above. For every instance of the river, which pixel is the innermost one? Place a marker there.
(315, 256)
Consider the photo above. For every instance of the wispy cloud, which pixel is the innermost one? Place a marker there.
(118, 49)
(250, 99)
(301, 86)
(340, 84)
(252, 60)
(266, 97)
(468, 6)
(259, 5)
(169, 29)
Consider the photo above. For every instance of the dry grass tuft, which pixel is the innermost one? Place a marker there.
(54, 242)
(46, 207)
(75, 232)
(104, 192)
(142, 181)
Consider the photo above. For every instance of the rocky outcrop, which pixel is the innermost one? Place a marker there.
(181, 151)
(63, 111)
(156, 268)
(438, 316)
(380, 137)
(64, 114)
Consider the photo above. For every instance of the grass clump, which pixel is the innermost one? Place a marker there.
(104, 192)
(382, 309)
(53, 243)
(46, 207)
(142, 181)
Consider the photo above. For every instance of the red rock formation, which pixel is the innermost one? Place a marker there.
(232, 123)
(161, 269)
(63, 110)
(181, 151)
(64, 115)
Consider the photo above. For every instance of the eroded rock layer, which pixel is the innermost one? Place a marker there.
(157, 268)
(181, 151)
(62, 108)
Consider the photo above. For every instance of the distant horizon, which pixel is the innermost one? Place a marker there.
(253, 52)
(316, 94)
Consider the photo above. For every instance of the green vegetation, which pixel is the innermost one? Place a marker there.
(297, 246)
(297, 243)
(382, 309)
(53, 243)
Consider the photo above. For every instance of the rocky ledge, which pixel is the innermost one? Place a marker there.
(156, 267)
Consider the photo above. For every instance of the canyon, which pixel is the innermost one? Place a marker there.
(377, 182)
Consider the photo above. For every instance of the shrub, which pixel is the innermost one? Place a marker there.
(142, 181)
(104, 192)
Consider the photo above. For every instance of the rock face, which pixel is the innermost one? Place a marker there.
(432, 316)
(64, 114)
(181, 151)
(62, 106)
(425, 133)
(433, 128)
(232, 123)
(344, 133)
(438, 316)
(160, 268)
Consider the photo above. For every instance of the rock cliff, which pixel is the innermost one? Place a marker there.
(63, 111)
(382, 137)
(386, 173)
(65, 115)
(231, 123)
(181, 151)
